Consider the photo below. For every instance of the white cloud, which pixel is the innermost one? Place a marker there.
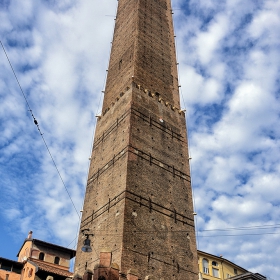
(208, 42)
(12, 214)
(63, 88)
(265, 24)
(234, 134)
(229, 69)
(199, 89)
(21, 12)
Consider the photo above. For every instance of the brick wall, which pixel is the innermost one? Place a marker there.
(138, 202)
(9, 275)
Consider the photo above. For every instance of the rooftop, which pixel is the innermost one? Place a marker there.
(71, 252)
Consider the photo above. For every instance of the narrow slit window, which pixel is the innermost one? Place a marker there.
(41, 256)
(56, 260)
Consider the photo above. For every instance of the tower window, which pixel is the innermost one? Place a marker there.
(41, 256)
(56, 260)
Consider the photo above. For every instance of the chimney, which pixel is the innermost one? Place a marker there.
(30, 234)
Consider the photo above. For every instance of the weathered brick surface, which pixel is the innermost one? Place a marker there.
(50, 254)
(9, 275)
(143, 48)
(138, 202)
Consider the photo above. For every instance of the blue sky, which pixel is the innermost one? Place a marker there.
(229, 54)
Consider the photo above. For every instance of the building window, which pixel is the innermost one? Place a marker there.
(205, 264)
(41, 256)
(215, 272)
(214, 263)
(6, 267)
(56, 260)
(228, 276)
(235, 271)
(17, 270)
(7, 277)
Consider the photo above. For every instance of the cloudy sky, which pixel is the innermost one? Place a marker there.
(229, 54)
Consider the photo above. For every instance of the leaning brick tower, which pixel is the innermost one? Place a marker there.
(138, 201)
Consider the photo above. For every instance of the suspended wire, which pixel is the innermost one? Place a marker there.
(244, 228)
(92, 142)
(37, 124)
(188, 138)
(98, 107)
(157, 232)
(84, 190)
(245, 234)
(262, 227)
(73, 248)
(72, 242)
(203, 236)
(17, 81)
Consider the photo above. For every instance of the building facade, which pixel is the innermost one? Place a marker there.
(138, 203)
(38, 260)
(213, 267)
(10, 270)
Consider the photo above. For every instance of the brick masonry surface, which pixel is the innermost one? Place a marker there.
(138, 201)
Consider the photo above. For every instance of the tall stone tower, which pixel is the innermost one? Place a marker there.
(138, 201)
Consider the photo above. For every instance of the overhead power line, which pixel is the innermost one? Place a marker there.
(103, 232)
(261, 227)
(37, 124)
(244, 234)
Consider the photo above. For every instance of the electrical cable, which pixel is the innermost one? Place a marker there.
(244, 228)
(102, 233)
(189, 142)
(245, 234)
(226, 229)
(92, 143)
(72, 242)
(98, 107)
(37, 124)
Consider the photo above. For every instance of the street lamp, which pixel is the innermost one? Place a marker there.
(86, 248)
